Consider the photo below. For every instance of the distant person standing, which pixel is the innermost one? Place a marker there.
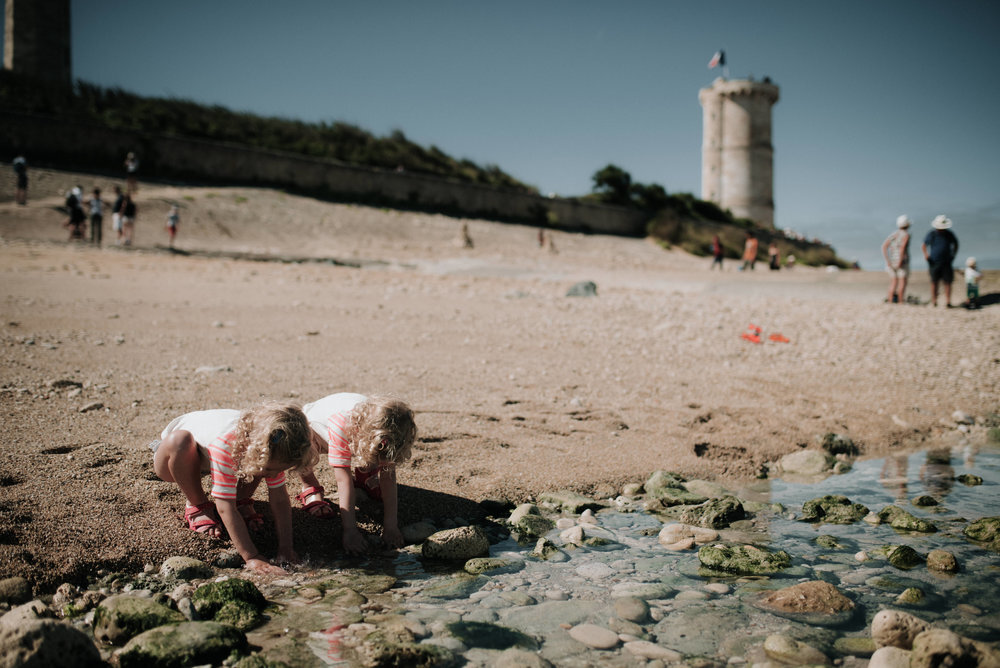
(116, 215)
(773, 257)
(96, 217)
(972, 276)
(940, 247)
(131, 172)
(77, 217)
(173, 218)
(718, 252)
(128, 219)
(21, 174)
(896, 251)
(749, 252)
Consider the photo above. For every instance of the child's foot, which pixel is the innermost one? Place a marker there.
(313, 502)
(368, 482)
(202, 519)
(250, 515)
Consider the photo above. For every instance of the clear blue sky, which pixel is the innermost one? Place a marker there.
(886, 107)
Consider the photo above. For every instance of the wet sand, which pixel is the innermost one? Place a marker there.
(517, 388)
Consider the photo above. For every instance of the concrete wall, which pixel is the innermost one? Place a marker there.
(72, 145)
(737, 154)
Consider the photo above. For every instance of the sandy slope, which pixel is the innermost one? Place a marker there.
(517, 387)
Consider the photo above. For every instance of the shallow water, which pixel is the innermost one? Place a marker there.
(695, 615)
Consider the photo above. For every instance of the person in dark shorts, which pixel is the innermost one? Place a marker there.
(940, 247)
(21, 172)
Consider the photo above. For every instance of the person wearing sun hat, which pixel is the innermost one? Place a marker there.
(896, 251)
(940, 247)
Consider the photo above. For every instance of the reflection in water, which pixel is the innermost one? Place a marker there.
(893, 475)
(937, 474)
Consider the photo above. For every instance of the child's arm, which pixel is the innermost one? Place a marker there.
(390, 524)
(240, 536)
(354, 542)
(281, 507)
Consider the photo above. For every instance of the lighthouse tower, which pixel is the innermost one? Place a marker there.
(36, 40)
(736, 154)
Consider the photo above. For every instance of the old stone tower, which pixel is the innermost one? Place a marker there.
(736, 153)
(37, 40)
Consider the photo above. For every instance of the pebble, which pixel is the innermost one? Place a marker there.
(594, 636)
(595, 571)
(92, 406)
(647, 650)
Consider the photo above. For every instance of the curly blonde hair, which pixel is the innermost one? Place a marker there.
(273, 431)
(381, 429)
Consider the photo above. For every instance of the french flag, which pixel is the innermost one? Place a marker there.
(718, 59)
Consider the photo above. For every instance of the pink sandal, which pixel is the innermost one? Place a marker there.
(315, 506)
(205, 514)
(250, 515)
(368, 481)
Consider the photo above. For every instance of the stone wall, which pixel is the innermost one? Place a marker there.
(57, 142)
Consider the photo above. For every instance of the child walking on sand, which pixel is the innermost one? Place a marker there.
(972, 276)
(238, 449)
(378, 433)
(173, 218)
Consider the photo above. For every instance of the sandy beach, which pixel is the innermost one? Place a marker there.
(517, 387)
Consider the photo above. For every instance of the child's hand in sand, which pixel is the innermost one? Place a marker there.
(263, 567)
(392, 537)
(354, 542)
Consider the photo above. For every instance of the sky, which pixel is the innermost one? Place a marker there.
(887, 107)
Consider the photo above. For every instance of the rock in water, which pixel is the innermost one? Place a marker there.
(583, 289)
(459, 544)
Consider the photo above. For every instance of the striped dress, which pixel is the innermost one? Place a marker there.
(214, 431)
(328, 418)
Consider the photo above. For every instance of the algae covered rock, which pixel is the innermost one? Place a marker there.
(924, 501)
(569, 501)
(942, 561)
(458, 544)
(969, 480)
(839, 444)
(984, 530)
(185, 568)
(714, 513)
(903, 557)
(660, 480)
(47, 643)
(235, 602)
(528, 520)
(182, 645)
(546, 550)
(911, 596)
(742, 559)
(832, 509)
(119, 618)
(491, 565)
(899, 519)
(790, 651)
(490, 636)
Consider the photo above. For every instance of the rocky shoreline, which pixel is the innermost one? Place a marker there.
(645, 578)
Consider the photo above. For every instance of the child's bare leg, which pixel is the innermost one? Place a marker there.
(178, 460)
(244, 504)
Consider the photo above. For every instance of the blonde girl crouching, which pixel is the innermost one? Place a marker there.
(238, 449)
(371, 433)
